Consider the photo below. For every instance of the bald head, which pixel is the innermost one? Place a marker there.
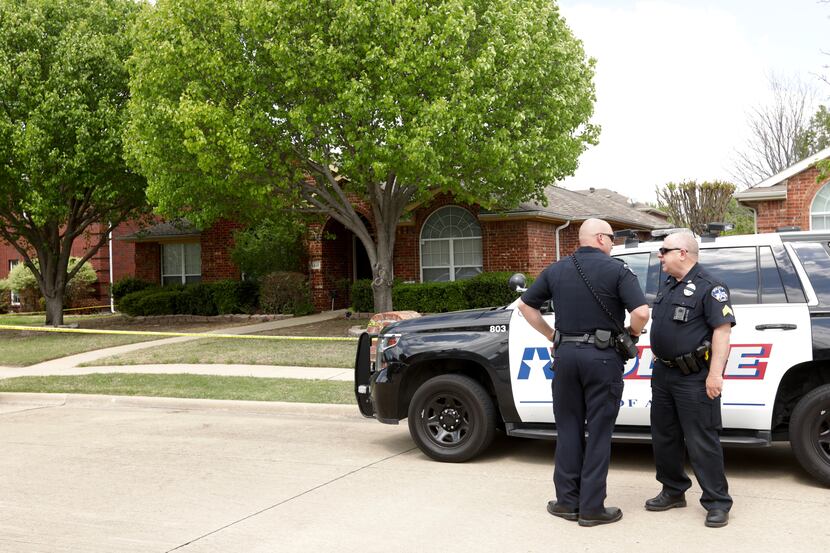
(589, 230)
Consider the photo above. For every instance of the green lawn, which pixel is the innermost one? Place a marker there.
(40, 320)
(188, 386)
(303, 353)
(21, 349)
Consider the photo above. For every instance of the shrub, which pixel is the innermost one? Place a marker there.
(196, 299)
(484, 290)
(80, 288)
(489, 290)
(129, 304)
(128, 285)
(429, 297)
(285, 292)
(234, 296)
(5, 296)
(160, 302)
(362, 296)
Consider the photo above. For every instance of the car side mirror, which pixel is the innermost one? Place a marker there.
(517, 282)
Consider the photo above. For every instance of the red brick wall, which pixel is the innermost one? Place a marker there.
(795, 210)
(217, 243)
(148, 261)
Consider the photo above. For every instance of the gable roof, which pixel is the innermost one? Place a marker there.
(574, 205)
(775, 187)
(167, 230)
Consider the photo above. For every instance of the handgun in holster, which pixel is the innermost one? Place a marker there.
(695, 361)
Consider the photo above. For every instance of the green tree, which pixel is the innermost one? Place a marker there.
(741, 217)
(243, 105)
(23, 281)
(692, 205)
(272, 244)
(63, 95)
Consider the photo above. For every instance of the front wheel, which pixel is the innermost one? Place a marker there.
(452, 418)
(810, 433)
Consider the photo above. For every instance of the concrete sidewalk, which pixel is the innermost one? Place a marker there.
(69, 365)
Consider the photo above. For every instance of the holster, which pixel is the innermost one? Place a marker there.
(626, 346)
(695, 361)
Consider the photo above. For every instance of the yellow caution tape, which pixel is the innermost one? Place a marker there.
(175, 334)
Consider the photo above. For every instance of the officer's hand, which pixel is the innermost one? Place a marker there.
(714, 385)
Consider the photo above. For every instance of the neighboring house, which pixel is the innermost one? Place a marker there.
(792, 198)
(440, 240)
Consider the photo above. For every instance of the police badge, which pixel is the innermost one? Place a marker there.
(720, 294)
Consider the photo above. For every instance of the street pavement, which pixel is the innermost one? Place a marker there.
(94, 474)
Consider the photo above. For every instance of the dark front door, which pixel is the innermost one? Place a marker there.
(362, 267)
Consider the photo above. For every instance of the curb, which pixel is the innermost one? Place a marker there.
(179, 404)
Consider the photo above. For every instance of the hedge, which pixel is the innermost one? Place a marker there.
(483, 290)
(222, 297)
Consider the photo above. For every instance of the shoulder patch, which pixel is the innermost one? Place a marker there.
(720, 294)
(630, 270)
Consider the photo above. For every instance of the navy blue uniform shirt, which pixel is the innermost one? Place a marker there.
(577, 312)
(687, 311)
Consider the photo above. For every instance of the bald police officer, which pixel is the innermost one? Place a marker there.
(588, 370)
(691, 311)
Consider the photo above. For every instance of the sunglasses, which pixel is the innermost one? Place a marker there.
(664, 251)
(610, 236)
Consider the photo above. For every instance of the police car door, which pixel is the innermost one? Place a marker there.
(531, 371)
(772, 332)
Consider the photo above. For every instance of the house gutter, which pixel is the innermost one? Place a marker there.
(112, 298)
(559, 228)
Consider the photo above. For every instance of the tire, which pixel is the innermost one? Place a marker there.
(810, 433)
(452, 418)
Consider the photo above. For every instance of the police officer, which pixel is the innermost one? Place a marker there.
(691, 310)
(588, 369)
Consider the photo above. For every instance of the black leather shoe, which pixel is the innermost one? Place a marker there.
(561, 511)
(717, 518)
(665, 501)
(607, 516)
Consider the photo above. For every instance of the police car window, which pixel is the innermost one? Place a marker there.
(638, 263)
(816, 262)
(737, 268)
(772, 288)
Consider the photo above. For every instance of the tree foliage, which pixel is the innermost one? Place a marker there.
(239, 106)
(692, 205)
(62, 114)
(271, 245)
(23, 281)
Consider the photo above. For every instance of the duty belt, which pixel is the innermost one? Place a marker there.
(586, 338)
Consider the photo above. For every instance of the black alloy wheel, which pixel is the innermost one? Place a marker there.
(810, 433)
(452, 418)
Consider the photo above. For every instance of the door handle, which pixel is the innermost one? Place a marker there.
(783, 326)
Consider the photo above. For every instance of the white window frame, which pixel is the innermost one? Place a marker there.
(15, 297)
(826, 190)
(452, 240)
(182, 272)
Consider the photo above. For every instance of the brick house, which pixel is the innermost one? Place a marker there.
(792, 198)
(437, 241)
(447, 240)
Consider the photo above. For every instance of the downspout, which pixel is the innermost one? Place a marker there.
(112, 299)
(754, 218)
(567, 223)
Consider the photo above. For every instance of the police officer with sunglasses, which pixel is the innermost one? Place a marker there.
(587, 366)
(692, 321)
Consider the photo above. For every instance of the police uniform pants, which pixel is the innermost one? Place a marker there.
(683, 418)
(587, 388)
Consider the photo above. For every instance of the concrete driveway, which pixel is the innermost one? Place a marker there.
(96, 474)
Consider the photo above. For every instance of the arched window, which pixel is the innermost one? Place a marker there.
(820, 211)
(450, 246)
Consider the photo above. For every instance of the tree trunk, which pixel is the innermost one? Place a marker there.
(54, 309)
(382, 277)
